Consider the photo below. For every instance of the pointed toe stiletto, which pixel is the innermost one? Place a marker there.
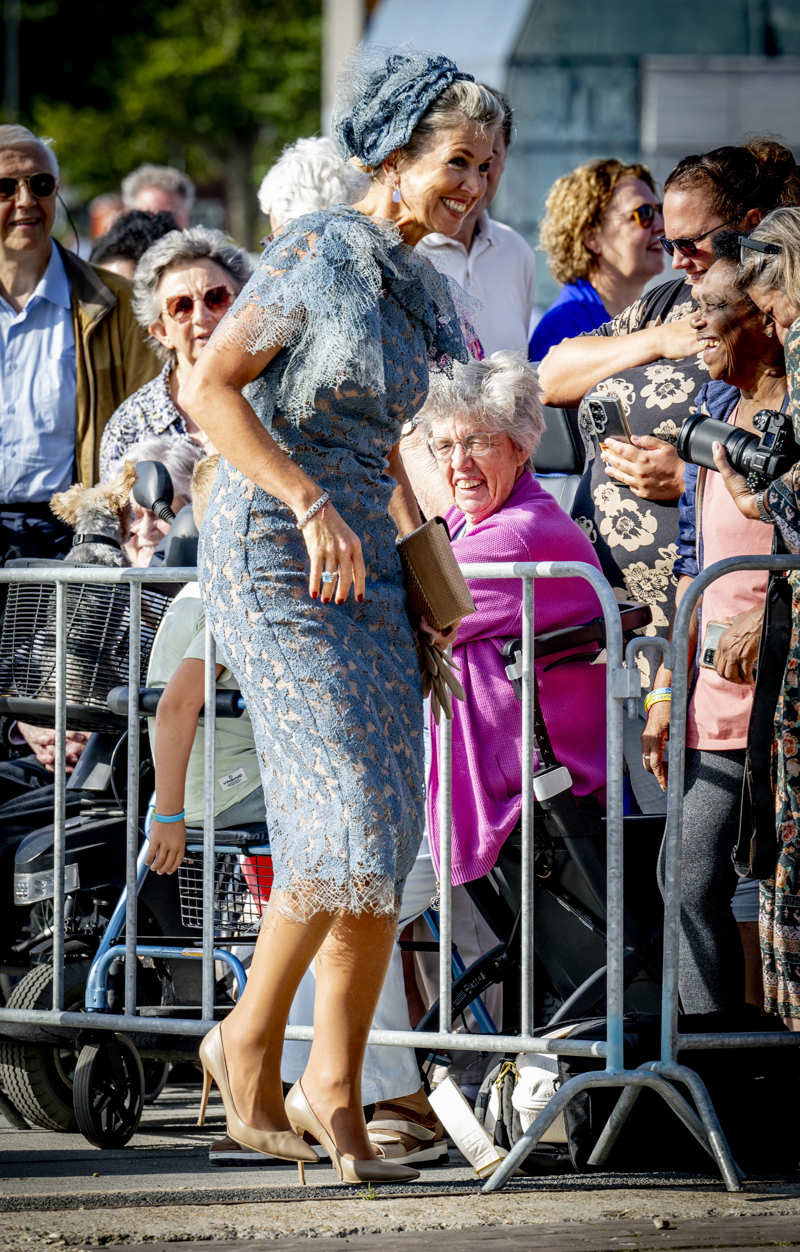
(281, 1143)
(303, 1118)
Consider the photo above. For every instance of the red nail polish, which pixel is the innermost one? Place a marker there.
(314, 595)
(360, 599)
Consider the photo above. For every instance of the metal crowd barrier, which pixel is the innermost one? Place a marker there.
(663, 1073)
(623, 686)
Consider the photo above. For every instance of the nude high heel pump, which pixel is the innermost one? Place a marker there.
(280, 1143)
(302, 1117)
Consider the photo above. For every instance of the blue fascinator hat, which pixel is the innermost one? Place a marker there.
(379, 104)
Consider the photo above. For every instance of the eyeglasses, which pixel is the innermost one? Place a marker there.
(748, 244)
(471, 445)
(645, 214)
(216, 300)
(41, 186)
(688, 247)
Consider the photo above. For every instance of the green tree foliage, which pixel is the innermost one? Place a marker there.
(216, 87)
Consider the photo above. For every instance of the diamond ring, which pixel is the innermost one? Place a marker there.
(329, 576)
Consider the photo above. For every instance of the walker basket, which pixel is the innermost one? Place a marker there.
(97, 638)
(242, 886)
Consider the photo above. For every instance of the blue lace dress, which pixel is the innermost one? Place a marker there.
(333, 692)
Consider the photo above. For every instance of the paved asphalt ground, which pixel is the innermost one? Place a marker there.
(57, 1191)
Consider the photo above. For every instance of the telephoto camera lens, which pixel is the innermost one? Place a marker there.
(698, 434)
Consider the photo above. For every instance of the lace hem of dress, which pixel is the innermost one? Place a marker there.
(375, 894)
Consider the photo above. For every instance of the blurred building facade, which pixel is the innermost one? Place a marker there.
(598, 78)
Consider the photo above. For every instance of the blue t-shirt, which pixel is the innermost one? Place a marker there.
(577, 310)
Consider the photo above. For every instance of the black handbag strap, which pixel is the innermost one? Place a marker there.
(756, 848)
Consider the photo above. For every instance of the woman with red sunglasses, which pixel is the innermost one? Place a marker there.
(601, 234)
(184, 284)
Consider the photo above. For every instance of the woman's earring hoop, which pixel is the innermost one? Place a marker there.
(396, 197)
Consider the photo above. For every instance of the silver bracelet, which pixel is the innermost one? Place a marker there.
(763, 511)
(314, 509)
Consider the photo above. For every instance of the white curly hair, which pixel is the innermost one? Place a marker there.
(309, 175)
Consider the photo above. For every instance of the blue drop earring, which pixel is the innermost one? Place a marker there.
(396, 197)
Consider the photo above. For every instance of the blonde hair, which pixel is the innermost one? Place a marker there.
(576, 204)
(775, 271)
(203, 476)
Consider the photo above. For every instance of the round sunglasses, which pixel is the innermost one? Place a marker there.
(41, 185)
(688, 247)
(216, 300)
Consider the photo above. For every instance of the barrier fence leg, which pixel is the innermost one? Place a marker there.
(624, 1106)
(718, 1144)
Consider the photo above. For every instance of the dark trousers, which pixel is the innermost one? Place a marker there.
(31, 530)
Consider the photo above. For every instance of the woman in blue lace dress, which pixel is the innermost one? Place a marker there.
(304, 389)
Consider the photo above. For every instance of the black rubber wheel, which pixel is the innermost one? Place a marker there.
(37, 1078)
(108, 1091)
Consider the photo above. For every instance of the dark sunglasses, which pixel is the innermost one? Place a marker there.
(645, 214)
(41, 186)
(688, 247)
(216, 300)
(748, 244)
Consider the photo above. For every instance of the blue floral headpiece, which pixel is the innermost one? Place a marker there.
(377, 112)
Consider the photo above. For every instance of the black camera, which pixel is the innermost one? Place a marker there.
(759, 459)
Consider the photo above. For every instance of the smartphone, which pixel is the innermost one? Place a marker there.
(606, 417)
(713, 634)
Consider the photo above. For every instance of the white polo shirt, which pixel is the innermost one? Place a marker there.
(499, 272)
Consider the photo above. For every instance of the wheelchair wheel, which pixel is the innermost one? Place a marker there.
(37, 1077)
(108, 1091)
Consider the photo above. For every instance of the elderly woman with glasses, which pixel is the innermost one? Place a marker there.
(770, 274)
(484, 424)
(601, 234)
(183, 285)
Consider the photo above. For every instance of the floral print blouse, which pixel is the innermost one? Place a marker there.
(149, 411)
(636, 539)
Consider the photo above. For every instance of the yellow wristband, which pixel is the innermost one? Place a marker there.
(656, 697)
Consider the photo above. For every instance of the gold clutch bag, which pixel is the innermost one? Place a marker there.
(436, 590)
(435, 587)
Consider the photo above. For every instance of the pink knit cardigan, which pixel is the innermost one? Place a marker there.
(487, 726)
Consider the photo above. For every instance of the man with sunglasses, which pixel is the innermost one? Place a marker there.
(70, 352)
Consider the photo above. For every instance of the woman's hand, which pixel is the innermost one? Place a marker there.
(737, 650)
(334, 548)
(167, 846)
(654, 742)
(442, 639)
(742, 496)
(650, 467)
(678, 339)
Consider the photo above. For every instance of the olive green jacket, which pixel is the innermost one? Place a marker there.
(112, 359)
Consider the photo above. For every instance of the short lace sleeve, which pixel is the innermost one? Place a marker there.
(316, 292)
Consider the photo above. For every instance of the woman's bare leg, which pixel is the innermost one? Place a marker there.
(253, 1031)
(350, 968)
